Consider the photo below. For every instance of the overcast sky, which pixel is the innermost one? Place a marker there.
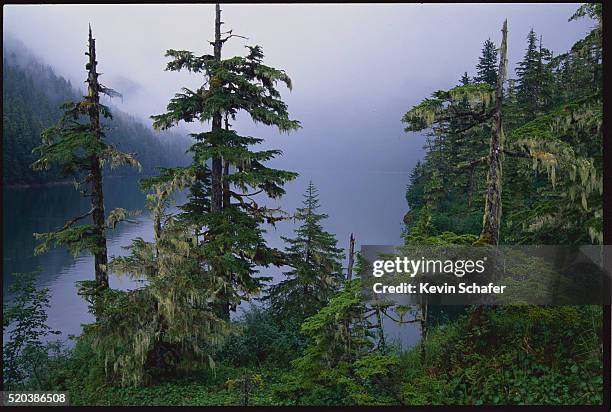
(356, 69)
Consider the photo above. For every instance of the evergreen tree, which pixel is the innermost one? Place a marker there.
(534, 77)
(344, 362)
(316, 264)
(145, 333)
(486, 68)
(465, 79)
(229, 236)
(570, 211)
(79, 149)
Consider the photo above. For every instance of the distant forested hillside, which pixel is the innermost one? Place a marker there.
(33, 93)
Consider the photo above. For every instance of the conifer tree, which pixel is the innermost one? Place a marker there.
(534, 77)
(229, 232)
(465, 79)
(144, 333)
(486, 68)
(316, 264)
(79, 149)
(571, 210)
(345, 359)
(493, 204)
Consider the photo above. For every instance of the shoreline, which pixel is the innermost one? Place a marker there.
(56, 183)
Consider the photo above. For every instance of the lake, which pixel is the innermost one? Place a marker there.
(369, 204)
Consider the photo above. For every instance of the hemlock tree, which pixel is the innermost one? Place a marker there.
(144, 334)
(485, 104)
(229, 234)
(343, 362)
(534, 77)
(486, 68)
(79, 149)
(316, 264)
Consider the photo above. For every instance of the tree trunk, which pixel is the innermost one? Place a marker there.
(492, 213)
(226, 171)
(493, 205)
(423, 322)
(97, 195)
(217, 162)
(351, 257)
(217, 166)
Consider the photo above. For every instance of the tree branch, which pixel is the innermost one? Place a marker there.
(517, 154)
(76, 219)
(473, 163)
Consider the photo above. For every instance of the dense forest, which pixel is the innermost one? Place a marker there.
(32, 94)
(510, 159)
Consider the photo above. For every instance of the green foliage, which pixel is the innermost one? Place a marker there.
(342, 364)
(144, 334)
(24, 321)
(229, 237)
(553, 133)
(245, 386)
(527, 355)
(551, 195)
(486, 68)
(71, 144)
(263, 339)
(80, 149)
(170, 342)
(254, 82)
(76, 239)
(535, 78)
(316, 264)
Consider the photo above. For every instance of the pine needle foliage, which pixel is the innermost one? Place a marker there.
(78, 148)
(316, 265)
(144, 335)
(222, 204)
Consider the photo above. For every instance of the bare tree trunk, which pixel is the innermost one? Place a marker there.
(97, 195)
(351, 257)
(381, 331)
(471, 187)
(493, 205)
(492, 213)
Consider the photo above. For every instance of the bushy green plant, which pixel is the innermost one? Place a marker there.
(261, 339)
(525, 355)
(25, 322)
(343, 363)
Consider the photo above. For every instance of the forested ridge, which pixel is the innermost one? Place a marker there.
(32, 94)
(510, 158)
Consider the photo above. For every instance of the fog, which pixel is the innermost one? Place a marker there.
(356, 69)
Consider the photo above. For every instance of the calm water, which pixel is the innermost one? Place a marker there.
(371, 205)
